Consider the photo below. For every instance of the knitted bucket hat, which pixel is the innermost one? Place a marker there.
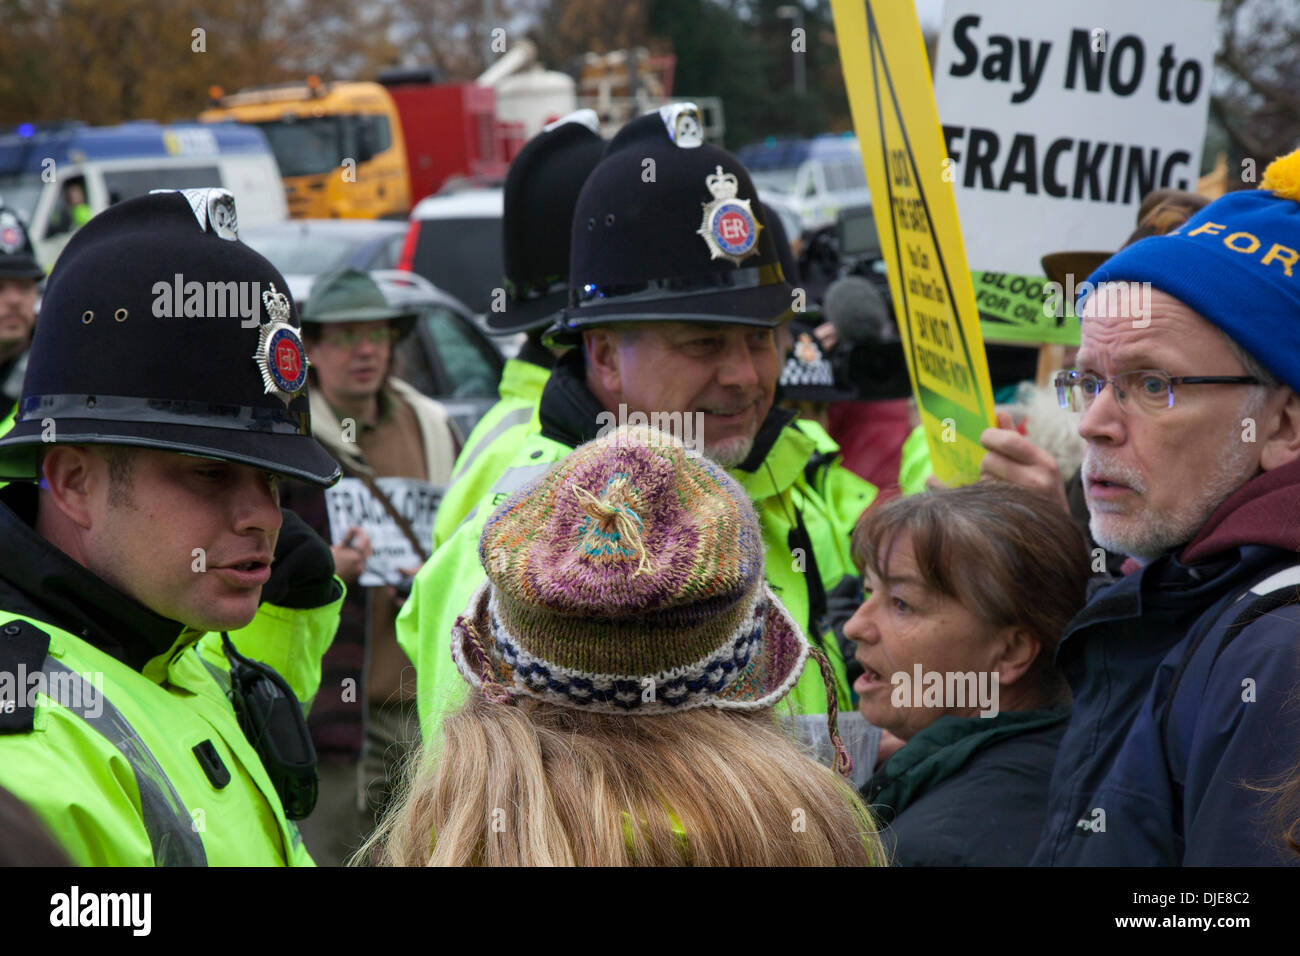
(628, 579)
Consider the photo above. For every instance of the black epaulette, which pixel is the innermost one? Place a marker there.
(23, 648)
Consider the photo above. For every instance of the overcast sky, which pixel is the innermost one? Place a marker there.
(930, 13)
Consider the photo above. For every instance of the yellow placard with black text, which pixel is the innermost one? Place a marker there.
(890, 95)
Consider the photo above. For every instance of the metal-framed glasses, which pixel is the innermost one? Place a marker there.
(1149, 390)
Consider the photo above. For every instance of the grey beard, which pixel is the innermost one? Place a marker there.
(731, 453)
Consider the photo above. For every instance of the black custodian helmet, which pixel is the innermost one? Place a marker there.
(540, 192)
(17, 260)
(669, 228)
(160, 329)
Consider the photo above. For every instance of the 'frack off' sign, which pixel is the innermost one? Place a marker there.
(1058, 117)
(351, 504)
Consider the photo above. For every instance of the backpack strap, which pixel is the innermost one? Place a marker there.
(1279, 589)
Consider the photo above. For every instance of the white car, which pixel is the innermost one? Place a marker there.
(811, 179)
(302, 249)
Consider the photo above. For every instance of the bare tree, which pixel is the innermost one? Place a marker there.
(1258, 100)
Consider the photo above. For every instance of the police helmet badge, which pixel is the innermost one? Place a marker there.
(806, 350)
(684, 125)
(729, 226)
(280, 355)
(11, 233)
(214, 208)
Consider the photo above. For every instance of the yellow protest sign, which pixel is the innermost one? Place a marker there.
(909, 175)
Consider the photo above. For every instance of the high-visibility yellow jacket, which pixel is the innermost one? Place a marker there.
(112, 756)
(915, 465)
(492, 445)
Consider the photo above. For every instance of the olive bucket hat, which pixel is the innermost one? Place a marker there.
(350, 295)
(17, 260)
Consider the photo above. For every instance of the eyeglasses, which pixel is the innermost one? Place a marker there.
(348, 338)
(1152, 390)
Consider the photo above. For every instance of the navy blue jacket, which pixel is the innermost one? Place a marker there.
(1124, 791)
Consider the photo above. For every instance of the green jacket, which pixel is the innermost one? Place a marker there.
(492, 444)
(107, 757)
(780, 490)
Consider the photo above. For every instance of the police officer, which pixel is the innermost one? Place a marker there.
(676, 293)
(19, 275)
(541, 190)
(161, 619)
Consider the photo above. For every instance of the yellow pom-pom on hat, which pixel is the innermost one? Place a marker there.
(1283, 176)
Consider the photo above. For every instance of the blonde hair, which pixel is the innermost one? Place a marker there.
(536, 784)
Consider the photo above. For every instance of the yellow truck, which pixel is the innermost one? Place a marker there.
(339, 145)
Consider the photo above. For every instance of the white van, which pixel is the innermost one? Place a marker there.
(55, 177)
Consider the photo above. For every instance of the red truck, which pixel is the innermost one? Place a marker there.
(451, 130)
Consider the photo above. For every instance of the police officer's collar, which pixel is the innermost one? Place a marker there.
(40, 581)
(571, 415)
(777, 419)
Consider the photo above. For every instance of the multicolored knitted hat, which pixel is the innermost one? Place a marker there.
(628, 579)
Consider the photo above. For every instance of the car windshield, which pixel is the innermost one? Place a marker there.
(305, 147)
(20, 194)
(301, 252)
(845, 174)
(461, 256)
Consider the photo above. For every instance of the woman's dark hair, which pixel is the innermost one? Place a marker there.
(1008, 555)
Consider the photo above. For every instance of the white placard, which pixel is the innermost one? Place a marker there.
(1059, 116)
(351, 504)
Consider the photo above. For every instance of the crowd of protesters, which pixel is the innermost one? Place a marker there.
(690, 597)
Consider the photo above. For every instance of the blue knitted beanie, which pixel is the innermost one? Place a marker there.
(1237, 263)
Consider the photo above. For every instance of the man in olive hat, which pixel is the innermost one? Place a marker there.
(396, 447)
(162, 619)
(676, 294)
(540, 192)
(19, 275)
